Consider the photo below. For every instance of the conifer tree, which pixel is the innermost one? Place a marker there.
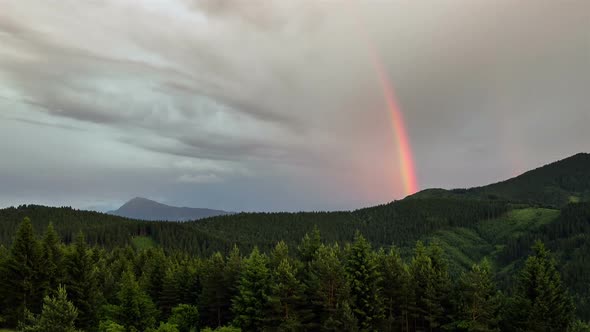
(185, 317)
(365, 279)
(82, 283)
(438, 299)
(309, 245)
(231, 277)
(252, 300)
(156, 267)
(395, 285)
(22, 282)
(287, 298)
(478, 300)
(328, 290)
(171, 294)
(58, 315)
(188, 275)
(52, 257)
(542, 302)
(279, 253)
(214, 298)
(422, 274)
(135, 309)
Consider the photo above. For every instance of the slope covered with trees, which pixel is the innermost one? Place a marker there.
(49, 286)
(192, 274)
(553, 185)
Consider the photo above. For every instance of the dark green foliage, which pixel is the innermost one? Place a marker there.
(286, 299)
(185, 317)
(541, 302)
(53, 260)
(422, 274)
(478, 300)
(155, 272)
(358, 289)
(365, 283)
(135, 310)
(216, 295)
(22, 284)
(171, 293)
(252, 301)
(164, 327)
(396, 290)
(223, 329)
(309, 245)
(431, 286)
(552, 185)
(58, 315)
(328, 290)
(81, 282)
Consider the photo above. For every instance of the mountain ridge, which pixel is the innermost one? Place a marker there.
(554, 185)
(146, 209)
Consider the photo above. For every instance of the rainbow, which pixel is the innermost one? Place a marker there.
(406, 158)
(405, 155)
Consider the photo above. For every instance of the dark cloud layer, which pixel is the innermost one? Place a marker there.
(274, 105)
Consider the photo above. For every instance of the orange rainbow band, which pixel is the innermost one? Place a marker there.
(406, 159)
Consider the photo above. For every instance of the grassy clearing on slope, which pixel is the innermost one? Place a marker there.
(142, 242)
(515, 223)
(466, 246)
(463, 246)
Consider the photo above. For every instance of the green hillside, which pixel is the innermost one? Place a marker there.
(500, 221)
(556, 184)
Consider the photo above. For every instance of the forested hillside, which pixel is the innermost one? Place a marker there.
(553, 185)
(48, 286)
(195, 267)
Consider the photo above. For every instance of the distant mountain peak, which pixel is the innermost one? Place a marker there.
(147, 209)
(140, 199)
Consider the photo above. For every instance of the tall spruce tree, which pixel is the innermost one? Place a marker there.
(286, 299)
(395, 285)
(82, 283)
(135, 309)
(172, 293)
(422, 276)
(252, 301)
(365, 280)
(215, 300)
(309, 245)
(22, 278)
(53, 260)
(58, 315)
(279, 253)
(153, 279)
(438, 292)
(231, 277)
(185, 317)
(542, 303)
(329, 291)
(478, 300)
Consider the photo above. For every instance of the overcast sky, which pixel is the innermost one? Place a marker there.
(274, 105)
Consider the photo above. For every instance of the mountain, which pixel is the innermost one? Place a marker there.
(146, 209)
(552, 185)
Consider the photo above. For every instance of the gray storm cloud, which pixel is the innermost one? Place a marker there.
(274, 105)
